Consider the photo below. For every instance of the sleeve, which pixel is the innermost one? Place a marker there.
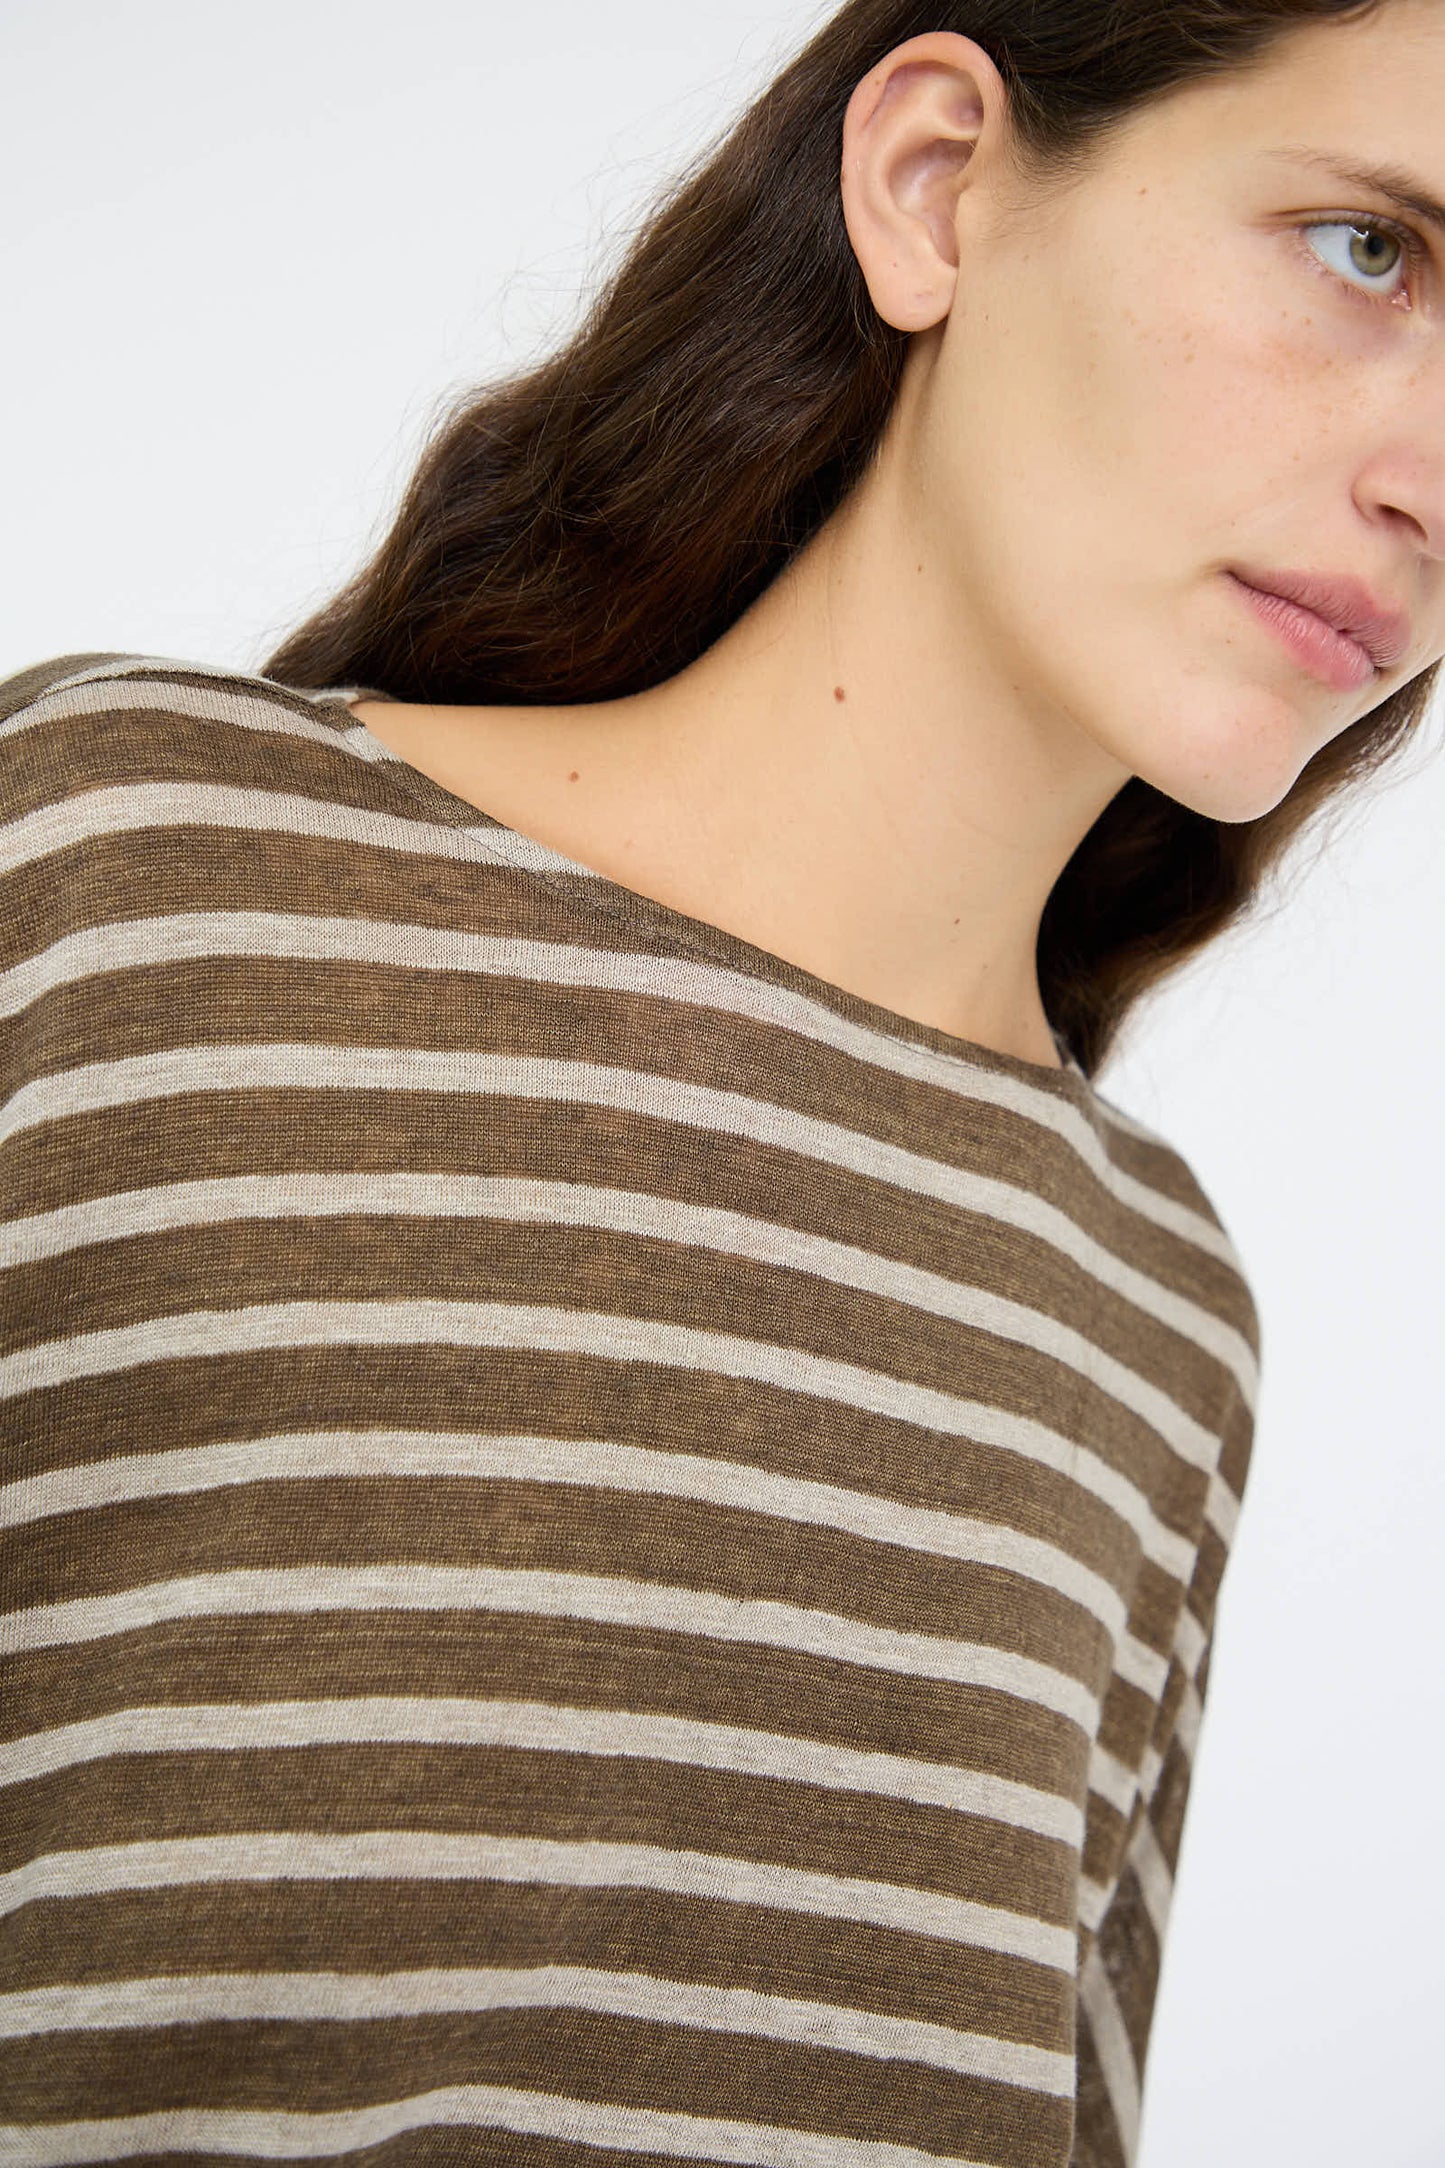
(1120, 1971)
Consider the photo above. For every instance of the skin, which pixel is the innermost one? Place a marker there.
(1110, 394)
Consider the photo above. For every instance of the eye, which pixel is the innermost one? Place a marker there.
(1368, 247)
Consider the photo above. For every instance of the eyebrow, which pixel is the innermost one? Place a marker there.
(1403, 189)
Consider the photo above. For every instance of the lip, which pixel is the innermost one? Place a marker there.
(1345, 604)
(1337, 661)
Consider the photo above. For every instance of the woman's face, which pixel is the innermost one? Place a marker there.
(1191, 362)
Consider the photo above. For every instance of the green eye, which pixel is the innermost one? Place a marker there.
(1367, 248)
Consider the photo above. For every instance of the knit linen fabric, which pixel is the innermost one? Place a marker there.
(608, 1552)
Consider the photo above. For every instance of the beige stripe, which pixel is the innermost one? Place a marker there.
(1152, 1871)
(161, 671)
(472, 1455)
(346, 1997)
(272, 2134)
(251, 1592)
(1189, 1719)
(574, 1204)
(1113, 1780)
(439, 1720)
(1094, 1900)
(1128, 1125)
(1190, 1640)
(1138, 1665)
(103, 690)
(171, 803)
(1221, 1509)
(387, 1854)
(398, 1322)
(1111, 2044)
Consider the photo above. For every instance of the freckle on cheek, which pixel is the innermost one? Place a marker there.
(573, 776)
(838, 693)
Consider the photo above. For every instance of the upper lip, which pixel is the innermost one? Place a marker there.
(1343, 602)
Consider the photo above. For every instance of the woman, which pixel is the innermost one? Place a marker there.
(620, 1469)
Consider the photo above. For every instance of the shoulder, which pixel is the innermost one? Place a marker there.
(78, 723)
(108, 759)
(1162, 1186)
(105, 683)
(143, 798)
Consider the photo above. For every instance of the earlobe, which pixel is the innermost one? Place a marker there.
(911, 132)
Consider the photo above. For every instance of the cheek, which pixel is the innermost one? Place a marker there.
(1229, 388)
(1105, 434)
(1186, 397)
(1114, 400)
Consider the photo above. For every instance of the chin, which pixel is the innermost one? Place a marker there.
(1225, 796)
(1230, 806)
(1235, 766)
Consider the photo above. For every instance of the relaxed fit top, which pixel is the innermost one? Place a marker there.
(609, 1550)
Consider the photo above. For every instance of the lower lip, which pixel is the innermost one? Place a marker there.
(1328, 655)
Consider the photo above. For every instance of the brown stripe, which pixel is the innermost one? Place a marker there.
(1130, 1951)
(454, 1790)
(1126, 1722)
(1104, 1832)
(453, 1390)
(571, 1663)
(380, 1926)
(581, 2054)
(479, 1256)
(1095, 2117)
(558, 1528)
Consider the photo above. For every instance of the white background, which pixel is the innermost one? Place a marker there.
(244, 252)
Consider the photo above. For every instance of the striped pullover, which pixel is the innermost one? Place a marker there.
(609, 1551)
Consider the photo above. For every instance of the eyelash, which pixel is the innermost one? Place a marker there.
(1417, 253)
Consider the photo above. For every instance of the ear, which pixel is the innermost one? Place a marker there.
(922, 127)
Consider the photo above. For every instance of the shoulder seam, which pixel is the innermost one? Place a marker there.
(24, 687)
(66, 672)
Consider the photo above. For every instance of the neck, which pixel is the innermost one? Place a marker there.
(855, 777)
(850, 779)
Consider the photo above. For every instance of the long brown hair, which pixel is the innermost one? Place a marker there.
(586, 528)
